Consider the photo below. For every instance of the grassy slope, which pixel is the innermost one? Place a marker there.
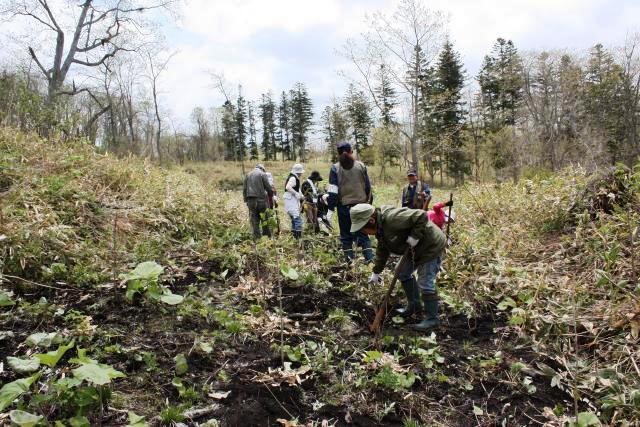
(535, 297)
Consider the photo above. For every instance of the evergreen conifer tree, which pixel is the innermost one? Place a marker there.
(284, 126)
(241, 128)
(253, 145)
(386, 96)
(228, 123)
(359, 114)
(301, 119)
(450, 113)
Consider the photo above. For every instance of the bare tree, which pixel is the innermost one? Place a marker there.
(403, 42)
(155, 67)
(88, 40)
(629, 58)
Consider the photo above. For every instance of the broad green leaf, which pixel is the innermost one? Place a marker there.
(68, 382)
(11, 391)
(149, 270)
(506, 303)
(97, 373)
(82, 357)
(43, 339)
(24, 419)
(23, 366)
(516, 320)
(372, 356)
(79, 421)
(588, 419)
(289, 273)
(132, 287)
(205, 347)
(52, 358)
(5, 299)
(171, 299)
(181, 364)
(136, 420)
(177, 383)
(477, 411)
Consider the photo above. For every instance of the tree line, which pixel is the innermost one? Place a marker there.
(409, 101)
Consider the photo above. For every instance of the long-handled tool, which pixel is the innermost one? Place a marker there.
(374, 327)
(449, 215)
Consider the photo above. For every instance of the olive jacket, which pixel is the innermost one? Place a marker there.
(395, 225)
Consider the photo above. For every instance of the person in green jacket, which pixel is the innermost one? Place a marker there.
(397, 229)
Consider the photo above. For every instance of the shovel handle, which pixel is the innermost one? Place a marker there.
(374, 327)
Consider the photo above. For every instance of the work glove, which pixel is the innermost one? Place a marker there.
(275, 199)
(376, 279)
(329, 215)
(325, 198)
(449, 203)
(299, 196)
(412, 241)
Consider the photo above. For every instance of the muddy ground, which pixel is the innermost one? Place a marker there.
(241, 371)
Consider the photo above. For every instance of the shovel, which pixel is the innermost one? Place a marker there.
(375, 326)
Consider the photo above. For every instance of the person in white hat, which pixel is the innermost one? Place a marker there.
(292, 198)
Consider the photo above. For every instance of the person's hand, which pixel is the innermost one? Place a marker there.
(412, 241)
(275, 199)
(300, 196)
(449, 203)
(325, 197)
(376, 279)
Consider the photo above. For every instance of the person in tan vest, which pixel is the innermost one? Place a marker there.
(349, 185)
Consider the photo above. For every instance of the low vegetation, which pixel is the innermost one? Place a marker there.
(132, 295)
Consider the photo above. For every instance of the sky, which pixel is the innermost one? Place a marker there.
(271, 44)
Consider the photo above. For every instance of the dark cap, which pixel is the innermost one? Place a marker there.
(343, 146)
(412, 172)
(315, 176)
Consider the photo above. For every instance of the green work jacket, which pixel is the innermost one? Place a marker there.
(395, 225)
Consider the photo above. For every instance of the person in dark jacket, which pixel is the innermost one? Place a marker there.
(399, 229)
(310, 204)
(255, 191)
(416, 194)
(349, 185)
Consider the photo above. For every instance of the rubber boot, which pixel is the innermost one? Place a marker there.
(430, 320)
(414, 307)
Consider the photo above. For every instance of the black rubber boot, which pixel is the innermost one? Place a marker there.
(430, 319)
(414, 307)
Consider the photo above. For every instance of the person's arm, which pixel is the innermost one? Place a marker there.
(367, 185)
(290, 187)
(267, 186)
(382, 255)
(332, 188)
(426, 189)
(244, 188)
(307, 192)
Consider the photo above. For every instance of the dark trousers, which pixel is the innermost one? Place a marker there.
(257, 207)
(346, 237)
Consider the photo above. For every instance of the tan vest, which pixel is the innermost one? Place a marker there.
(351, 184)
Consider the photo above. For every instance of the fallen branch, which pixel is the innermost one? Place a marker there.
(38, 284)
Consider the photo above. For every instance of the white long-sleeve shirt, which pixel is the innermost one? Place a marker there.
(290, 187)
